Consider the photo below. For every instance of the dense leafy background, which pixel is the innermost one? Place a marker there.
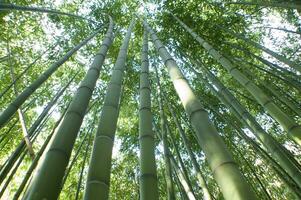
(29, 35)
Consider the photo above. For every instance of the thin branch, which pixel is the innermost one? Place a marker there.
(43, 10)
(20, 111)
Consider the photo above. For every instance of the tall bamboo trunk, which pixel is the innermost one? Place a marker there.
(254, 173)
(166, 151)
(183, 180)
(79, 184)
(225, 170)
(148, 172)
(22, 97)
(46, 182)
(285, 121)
(183, 194)
(280, 29)
(181, 162)
(275, 73)
(74, 159)
(98, 181)
(167, 156)
(189, 187)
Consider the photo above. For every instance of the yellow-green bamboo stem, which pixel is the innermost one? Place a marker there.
(98, 181)
(148, 173)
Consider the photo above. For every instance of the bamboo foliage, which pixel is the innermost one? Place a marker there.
(222, 165)
(203, 138)
(98, 181)
(291, 5)
(55, 159)
(7, 6)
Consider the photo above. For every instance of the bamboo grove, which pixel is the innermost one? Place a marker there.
(150, 100)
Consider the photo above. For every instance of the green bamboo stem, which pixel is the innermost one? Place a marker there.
(98, 180)
(47, 180)
(180, 187)
(5, 169)
(74, 159)
(200, 177)
(277, 75)
(22, 97)
(254, 173)
(182, 179)
(148, 172)
(182, 175)
(291, 184)
(48, 107)
(13, 172)
(20, 110)
(280, 29)
(182, 165)
(79, 184)
(224, 169)
(241, 134)
(166, 155)
(16, 167)
(282, 98)
(166, 151)
(283, 119)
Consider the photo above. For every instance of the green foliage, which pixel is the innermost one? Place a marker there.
(27, 35)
